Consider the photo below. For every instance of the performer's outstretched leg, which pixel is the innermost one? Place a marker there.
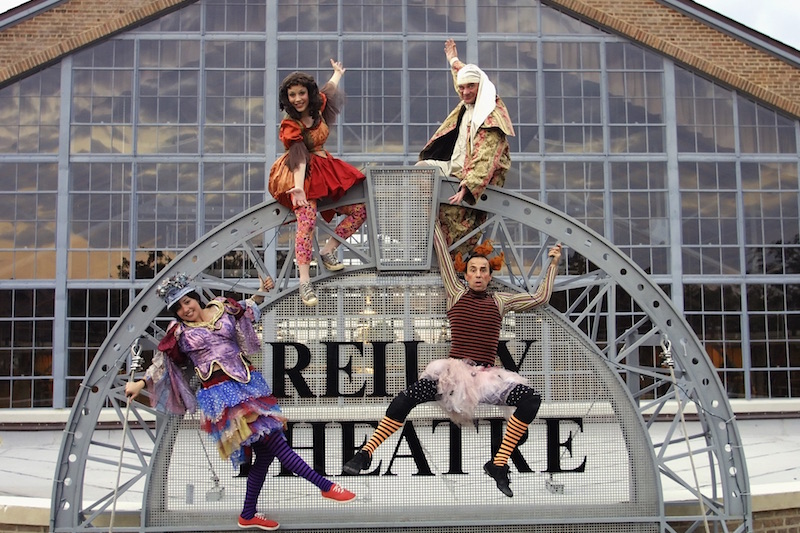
(527, 404)
(422, 391)
(277, 445)
(255, 481)
(303, 249)
(356, 215)
(386, 427)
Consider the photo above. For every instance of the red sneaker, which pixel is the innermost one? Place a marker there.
(339, 494)
(259, 521)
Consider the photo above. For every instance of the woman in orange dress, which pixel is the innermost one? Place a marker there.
(307, 172)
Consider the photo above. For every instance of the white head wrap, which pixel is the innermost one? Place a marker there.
(487, 93)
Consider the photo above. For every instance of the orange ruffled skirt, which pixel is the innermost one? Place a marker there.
(326, 177)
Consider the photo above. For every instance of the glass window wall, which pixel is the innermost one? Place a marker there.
(169, 129)
(26, 348)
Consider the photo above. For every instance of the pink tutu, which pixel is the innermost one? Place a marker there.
(462, 385)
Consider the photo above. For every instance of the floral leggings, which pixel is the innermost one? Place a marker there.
(307, 219)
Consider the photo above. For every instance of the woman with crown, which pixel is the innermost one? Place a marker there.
(237, 408)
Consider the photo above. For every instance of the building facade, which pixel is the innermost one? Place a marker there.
(671, 132)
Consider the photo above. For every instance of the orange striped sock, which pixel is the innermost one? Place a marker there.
(386, 427)
(514, 432)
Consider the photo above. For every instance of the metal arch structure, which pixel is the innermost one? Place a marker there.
(714, 447)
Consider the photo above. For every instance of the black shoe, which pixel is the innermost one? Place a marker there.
(500, 475)
(360, 461)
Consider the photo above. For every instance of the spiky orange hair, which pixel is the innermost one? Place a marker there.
(482, 250)
(458, 263)
(496, 262)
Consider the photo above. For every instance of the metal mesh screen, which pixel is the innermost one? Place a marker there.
(586, 462)
(403, 241)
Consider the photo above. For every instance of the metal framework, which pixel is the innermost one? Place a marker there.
(713, 492)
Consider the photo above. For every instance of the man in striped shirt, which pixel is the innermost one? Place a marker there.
(468, 376)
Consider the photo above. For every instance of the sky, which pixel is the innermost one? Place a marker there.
(777, 18)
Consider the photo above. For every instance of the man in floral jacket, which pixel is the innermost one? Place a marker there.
(470, 145)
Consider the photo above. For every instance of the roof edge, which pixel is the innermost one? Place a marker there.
(87, 36)
(735, 29)
(613, 22)
(26, 11)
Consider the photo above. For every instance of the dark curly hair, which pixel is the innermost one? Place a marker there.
(314, 97)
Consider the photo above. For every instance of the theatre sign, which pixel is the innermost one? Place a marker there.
(617, 368)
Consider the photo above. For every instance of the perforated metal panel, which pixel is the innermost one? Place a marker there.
(338, 364)
(403, 202)
(586, 427)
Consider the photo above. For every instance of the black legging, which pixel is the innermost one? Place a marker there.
(523, 397)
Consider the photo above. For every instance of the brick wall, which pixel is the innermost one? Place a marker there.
(692, 43)
(782, 521)
(69, 26)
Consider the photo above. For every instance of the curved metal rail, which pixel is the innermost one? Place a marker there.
(716, 447)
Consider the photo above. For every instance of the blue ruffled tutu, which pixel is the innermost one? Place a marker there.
(238, 414)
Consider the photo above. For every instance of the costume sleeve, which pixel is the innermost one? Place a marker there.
(169, 390)
(169, 344)
(252, 308)
(155, 372)
(452, 285)
(291, 135)
(290, 132)
(332, 102)
(522, 301)
(481, 165)
(246, 335)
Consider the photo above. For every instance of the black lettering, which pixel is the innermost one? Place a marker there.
(279, 370)
(332, 369)
(554, 444)
(415, 447)
(456, 455)
(379, 368)
(412, 362)
(506, 358)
